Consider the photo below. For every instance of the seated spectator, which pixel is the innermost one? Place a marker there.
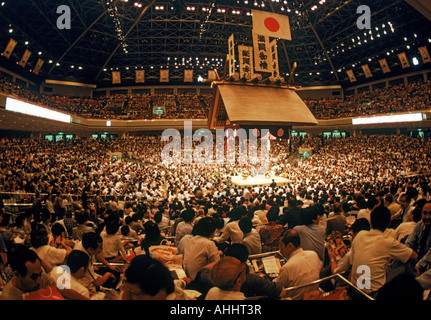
(251, 237)
(337, 222)
(271, 233)
(96, 277)
(49, 255)
(420, 238)
(405, 228)
(231, 232)
(184, 227)
(312, 233)
(261, 213)
(302, 266)
(147, 279)
(227, 274)
(254, 285)
(82, 220)
(374, 249)
(200, 251)
(153, 237)
(29, 277)
(28, 274)
(77, 263)
(344, 263)
(59, 237)
(112, 249)
(163, 222)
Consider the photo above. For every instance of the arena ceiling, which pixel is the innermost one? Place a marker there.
(126, 35)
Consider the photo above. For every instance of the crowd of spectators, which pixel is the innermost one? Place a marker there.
(188, 105)
(400, 98)
(118, 106)
(104, 218)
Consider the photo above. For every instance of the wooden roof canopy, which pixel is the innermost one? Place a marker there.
(257, 103)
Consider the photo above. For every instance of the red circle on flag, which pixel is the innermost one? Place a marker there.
(271, 24)
(280, 132)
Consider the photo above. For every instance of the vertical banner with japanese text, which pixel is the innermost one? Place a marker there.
(245, 54)
(139, 76)
(164, 75)
(424, 54)
(367, 71)
(403, 59)
(262, 55)
(38, 66)
(10, 47)
(116, 77)
(25, 58)
(384, 65)
(231, 43)
(351, 75)
(274, 59)
(188, 75)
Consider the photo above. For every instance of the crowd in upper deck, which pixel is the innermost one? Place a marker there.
(400, 98)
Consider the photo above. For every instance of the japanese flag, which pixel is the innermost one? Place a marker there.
(271, 24)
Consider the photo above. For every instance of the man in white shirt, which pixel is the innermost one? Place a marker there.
(302, 266)
(77, 263)
(200, 250)
(184, 227)
(372, 250)
(231, 229)
(50, 255)
(251, 238)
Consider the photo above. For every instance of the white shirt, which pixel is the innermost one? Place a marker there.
(216, 293)
(198, 252)
(70, 280)
(51, 255)
(373, 249)
(404, 229)
(233, 231)
(364, 213)
(302, 267)
(262, 215)
(112, 245)
(253, 242)
(183, 242)
(182, 229)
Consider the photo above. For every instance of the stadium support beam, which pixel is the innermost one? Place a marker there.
(324, 50)
(126, 35)
(423, 6)
(49, 20)
(78, 39)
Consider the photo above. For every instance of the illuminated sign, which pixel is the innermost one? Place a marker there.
(33, 110)
(410, 117)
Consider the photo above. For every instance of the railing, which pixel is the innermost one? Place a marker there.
(334, 276)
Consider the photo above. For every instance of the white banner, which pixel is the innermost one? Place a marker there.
(262, 55)
(245, 55)
(274, 58)
(231, 43)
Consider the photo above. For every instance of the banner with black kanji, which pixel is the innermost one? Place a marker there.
(262, 55)
(245, 54)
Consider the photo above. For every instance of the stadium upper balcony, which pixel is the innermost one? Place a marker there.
(144, 106)
(401, 98)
